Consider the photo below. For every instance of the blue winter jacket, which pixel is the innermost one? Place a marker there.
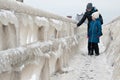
(95, 31)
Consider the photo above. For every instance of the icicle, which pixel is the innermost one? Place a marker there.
(76, 40)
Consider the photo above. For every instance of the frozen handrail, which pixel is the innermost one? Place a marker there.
(31, 53)
(23, 8)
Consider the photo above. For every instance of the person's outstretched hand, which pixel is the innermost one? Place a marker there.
(77, 25)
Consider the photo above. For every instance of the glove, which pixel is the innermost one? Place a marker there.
(78, 25)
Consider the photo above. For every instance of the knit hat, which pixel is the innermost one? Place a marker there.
(89, 6)
(95, 15)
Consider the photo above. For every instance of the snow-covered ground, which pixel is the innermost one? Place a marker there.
(106, 66)
(84, 67)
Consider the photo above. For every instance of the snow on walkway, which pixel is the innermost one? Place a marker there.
(84, 67)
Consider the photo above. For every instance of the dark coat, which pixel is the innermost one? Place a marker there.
(95, 31)
(87, 15)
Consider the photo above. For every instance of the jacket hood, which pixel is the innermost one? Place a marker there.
(95, 15)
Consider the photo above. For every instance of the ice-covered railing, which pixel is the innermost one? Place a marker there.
(37, 61)
(111, 40)
(33, 43)
(22, 24)
(22, 8)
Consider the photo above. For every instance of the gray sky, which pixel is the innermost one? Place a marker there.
(110, 9)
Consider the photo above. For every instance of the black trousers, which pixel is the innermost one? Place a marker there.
(93, 47)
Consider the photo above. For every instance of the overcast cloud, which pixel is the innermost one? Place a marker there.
(110, 9)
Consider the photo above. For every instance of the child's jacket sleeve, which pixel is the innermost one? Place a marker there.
(99, 33)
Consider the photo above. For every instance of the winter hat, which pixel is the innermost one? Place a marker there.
(89, 6)
(95, 15)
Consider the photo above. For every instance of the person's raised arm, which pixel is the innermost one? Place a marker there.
(82, 20)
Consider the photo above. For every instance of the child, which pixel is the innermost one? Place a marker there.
(94, 34)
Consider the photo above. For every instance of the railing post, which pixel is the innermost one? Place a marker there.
(16, 75)
(45, 75)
